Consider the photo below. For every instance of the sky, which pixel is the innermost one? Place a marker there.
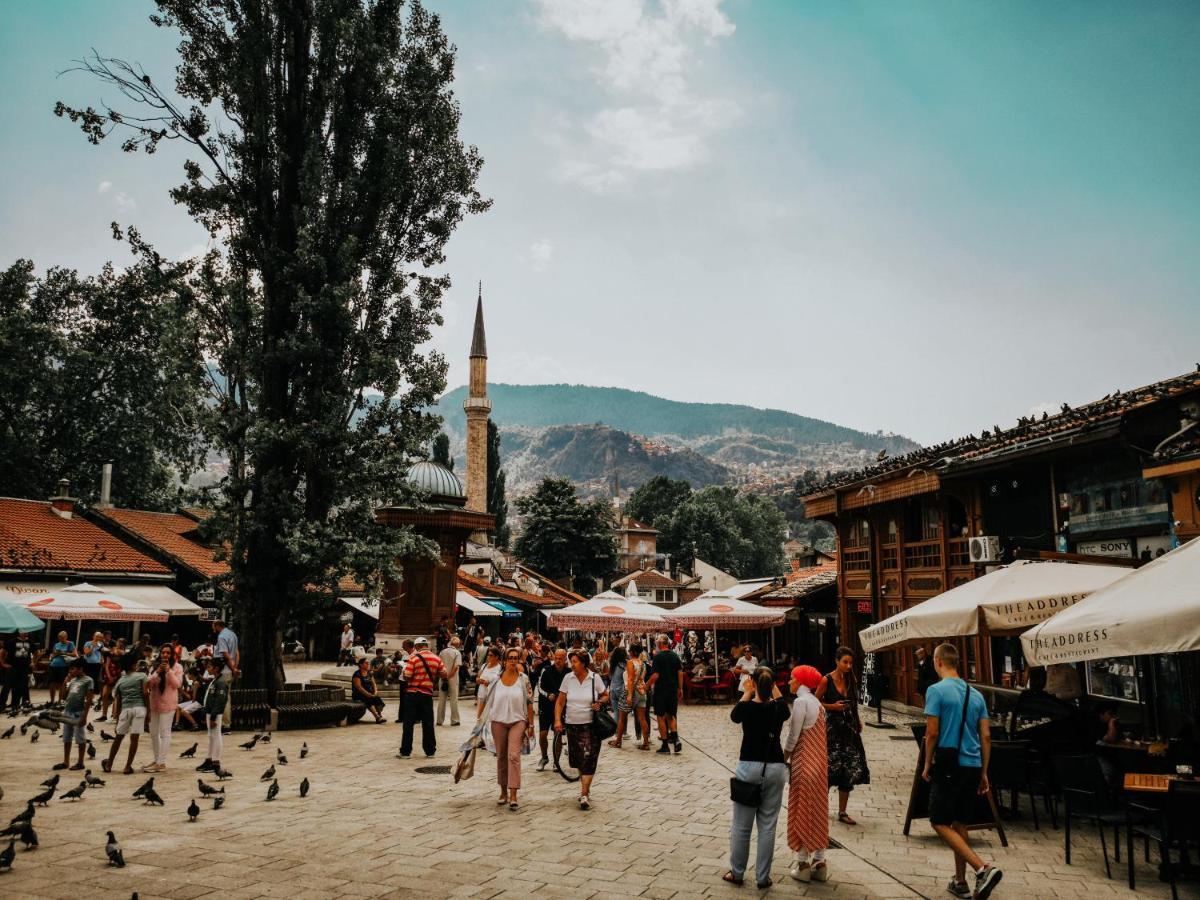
(924, 218)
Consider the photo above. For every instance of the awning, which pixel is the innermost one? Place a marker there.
(506, 609)
(474, 605)
(155, 595)
(360, 604)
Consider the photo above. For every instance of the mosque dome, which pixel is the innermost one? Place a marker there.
(438, 482)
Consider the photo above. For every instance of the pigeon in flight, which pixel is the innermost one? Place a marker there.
(268, 775)
(193, 811)
(148, 786)
(92, 780)
(113, 850)
(189, 752)
(273, 790)
(304, 788)
(208, 789)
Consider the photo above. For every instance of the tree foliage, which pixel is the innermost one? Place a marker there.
(440, 451)
(740, 533)
(99, 369)
(497, 502)
(813, 532)
(562, 535)
(326, 159)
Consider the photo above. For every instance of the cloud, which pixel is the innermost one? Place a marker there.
(655, 118)
(104, 188)
(540, 253)
(124, 202)
(1045, 407)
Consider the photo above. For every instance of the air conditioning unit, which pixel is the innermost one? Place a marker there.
(985, 549)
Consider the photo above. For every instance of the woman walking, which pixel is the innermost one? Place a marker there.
(492, 666)
(165, 682)
(509, 705)
(808, 789)
(362, 682)
(633, 698)
(579, 698)
(838, 693)
(616, 690)
(761, 712)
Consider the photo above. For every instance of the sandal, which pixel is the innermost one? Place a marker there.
(615, 744)
(845, 819)
(128, 770)
(729, 876)
(106, 765)
(763, 885)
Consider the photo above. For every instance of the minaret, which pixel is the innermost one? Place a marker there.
(477, 407)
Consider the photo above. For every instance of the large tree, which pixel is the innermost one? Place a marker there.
(326, 161)
(440, 452)
(562, 535)
(655, 503)
(99, 369)
(740, 533)
(497, 502)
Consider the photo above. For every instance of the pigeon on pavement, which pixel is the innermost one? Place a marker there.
(148, 786)
(113, 850)
(91, 751)
(8, 855)
(218, 801)
(250, 744)
(26, 816)
(75, 793)
(152, 797)
(222, 774)
(266, 738)
(304, 750)
(304, 788)
(189, 752)
(193, 810)
(34, 739)
(105, 736)
(52, 781)
(28, 837)
(8, 734)
(208, 789)
(44, 797)
(273, 790)
(92, 780)
(268, 775)
(280, 758)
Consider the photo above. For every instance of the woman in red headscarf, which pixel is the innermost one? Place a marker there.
(808, 792)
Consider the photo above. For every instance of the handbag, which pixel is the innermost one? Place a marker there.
(749, 793)
(603, 722)
(945, 759)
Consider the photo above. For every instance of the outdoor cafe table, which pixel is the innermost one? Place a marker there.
(1145, 783)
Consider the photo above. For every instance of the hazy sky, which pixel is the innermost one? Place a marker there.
(920, 217)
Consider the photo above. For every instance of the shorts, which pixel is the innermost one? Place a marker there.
(132, 719)
(666, 703)
(545, 713)
(952, 797)
(72, 730)
(190, 706)
(56, 674)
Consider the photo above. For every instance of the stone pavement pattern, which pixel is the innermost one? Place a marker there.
(373, 827)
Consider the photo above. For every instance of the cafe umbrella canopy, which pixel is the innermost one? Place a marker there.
(607, 611)
(1156, 609)
(1007, 600)
(16, 619)
(85, 601)
(714, 610)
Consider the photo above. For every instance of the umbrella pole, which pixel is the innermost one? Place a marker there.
(78, 631)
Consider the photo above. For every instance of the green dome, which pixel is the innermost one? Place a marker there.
(435, 480)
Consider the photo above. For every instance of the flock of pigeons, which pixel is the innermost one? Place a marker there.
(21, 829)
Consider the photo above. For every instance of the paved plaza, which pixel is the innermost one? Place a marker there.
(372, 826)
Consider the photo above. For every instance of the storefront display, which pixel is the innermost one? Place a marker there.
(1116, 678)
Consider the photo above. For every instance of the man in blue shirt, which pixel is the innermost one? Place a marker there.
(60, 654)
(227, 652)
(955, 781)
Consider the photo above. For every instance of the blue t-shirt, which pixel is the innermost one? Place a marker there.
(944, 701)
(91, 651)
(227, 642)
(67, 649)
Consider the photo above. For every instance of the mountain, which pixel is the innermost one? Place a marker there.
(585, 433)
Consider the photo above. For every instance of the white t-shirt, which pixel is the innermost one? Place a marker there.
(580, 697)
(347, 638)
(747, 670)
(510, 702)
(451, 659)
(489, 674)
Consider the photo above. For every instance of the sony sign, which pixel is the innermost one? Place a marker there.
(1122, 547)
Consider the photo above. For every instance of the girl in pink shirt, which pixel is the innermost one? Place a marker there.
(165, 681)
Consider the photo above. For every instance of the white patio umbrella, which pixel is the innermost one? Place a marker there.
(715, 610)
(631, 590)
(85, 601)
(1008, 600)
(608, 611)
(1156, 609)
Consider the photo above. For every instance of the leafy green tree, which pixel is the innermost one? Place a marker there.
(739, 533)
(441, 451)
(656, 501)
(497, 502)
(99, 369)
(564, 536)
(326, 160)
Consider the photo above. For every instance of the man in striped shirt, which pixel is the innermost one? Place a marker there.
(422, 671)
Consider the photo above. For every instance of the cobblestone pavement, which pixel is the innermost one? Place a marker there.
(373, 827)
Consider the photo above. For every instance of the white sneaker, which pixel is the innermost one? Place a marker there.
(820, 871)
(542, 763)
(801, 871)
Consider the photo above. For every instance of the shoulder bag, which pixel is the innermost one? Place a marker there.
(945, 759)
(749, 793)
(603, 722)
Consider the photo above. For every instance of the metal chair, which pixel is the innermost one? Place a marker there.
(1086, 796)
(1011, 769)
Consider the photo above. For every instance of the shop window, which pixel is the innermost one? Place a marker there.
(858, 533)
(1115, 678)
(1080, 505)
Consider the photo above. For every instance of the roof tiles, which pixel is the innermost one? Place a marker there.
(35, 538)
(172, 534)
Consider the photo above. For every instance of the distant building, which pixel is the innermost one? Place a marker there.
(710, 578)
(652, 586)
(637, 545)
(800, 555)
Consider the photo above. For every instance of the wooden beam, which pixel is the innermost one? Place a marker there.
(1175, 468)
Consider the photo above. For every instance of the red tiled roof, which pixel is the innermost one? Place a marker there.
(552, 587)
(631, 524)
(477, 587)
(800, 584)
(647, 578)
(686, 595)
(35, 539)
(171, 534)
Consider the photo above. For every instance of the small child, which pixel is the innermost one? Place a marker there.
(215, 696)
(132, 691)
(77, 693)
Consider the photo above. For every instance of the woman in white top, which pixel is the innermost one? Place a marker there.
(490, 671)
(579, 698)
(509, 705)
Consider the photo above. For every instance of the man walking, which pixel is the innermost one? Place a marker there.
(665, 686)
(451, 659)
(548, 685)
(470, 637)
(958, 745)
(346, 644)
(227, 652)
(421, 672)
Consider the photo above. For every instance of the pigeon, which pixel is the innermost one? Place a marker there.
(91, 751)
(218, 801)
(28, 837)
(8, 734)
(280, 758)
(26, 816)
(193, 811)
(273, 790)
(75, 793)
(105, 736)
(249, 745)
(268, 775)
(222, 774)
(141, 792)
(113, 850)
(52, 782)
(92, 780)
(208, 789)
(152, 797)
(24, 728)
(304, 750)
(189, 752)
(91, 728)
(7, 856)
(44, 797)
(266, 738)
(34, 739)
(304, 788)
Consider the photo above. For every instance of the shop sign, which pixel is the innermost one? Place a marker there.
(1156, 545)
(1122, 547)
(865, 607)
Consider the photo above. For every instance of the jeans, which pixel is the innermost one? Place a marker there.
(418, 706)
(766, 816)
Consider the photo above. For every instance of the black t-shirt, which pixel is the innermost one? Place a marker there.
(666, 666)
(551, 679)
(762, 724)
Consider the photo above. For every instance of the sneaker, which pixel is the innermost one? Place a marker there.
(820, 871)
(206, 766)
(678, 746)
(542, 763)
(958, 888)
(403, 755)
(986, 880)
(800, 871)
(584, 803)
(665, 748)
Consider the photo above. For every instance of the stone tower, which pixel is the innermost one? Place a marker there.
(477, 407)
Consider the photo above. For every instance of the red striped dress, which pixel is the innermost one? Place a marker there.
(808, 792)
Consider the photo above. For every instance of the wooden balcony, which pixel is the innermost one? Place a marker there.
(923, 555)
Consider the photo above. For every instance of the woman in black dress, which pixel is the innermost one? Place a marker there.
(838, 693)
